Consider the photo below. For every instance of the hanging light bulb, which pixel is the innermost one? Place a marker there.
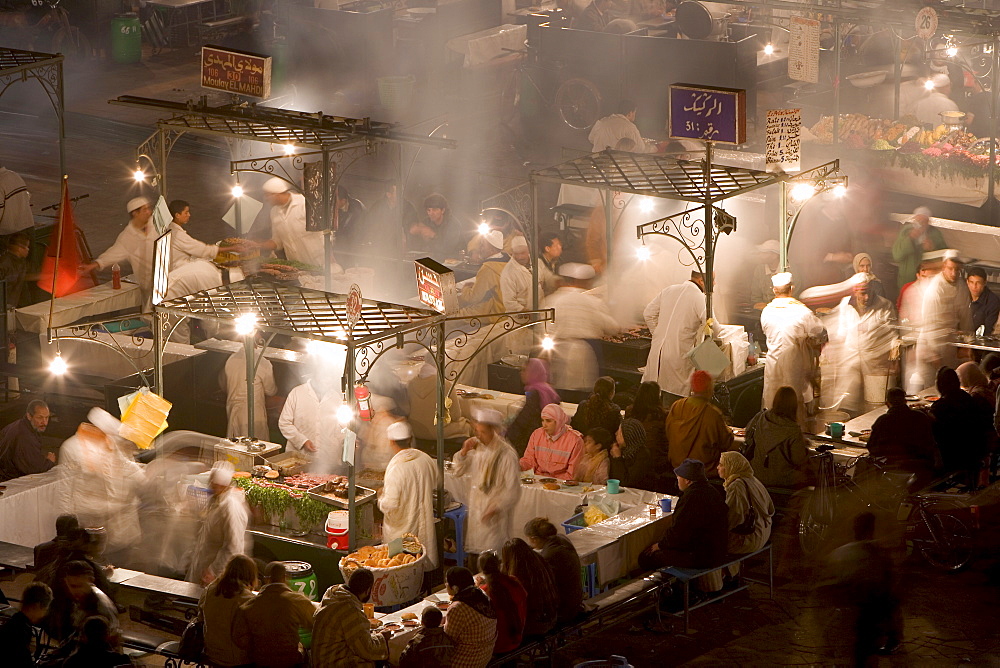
(139, 175)
(289, 149)
(803, 191)
(928, 85)
(769, 49)
(548, 343)
(237, 191)
(58, 365)
(839, 190)
(484, 228)
(345, 414)
(642, 252)
(646, 205)
(246, 324)
(952, 51)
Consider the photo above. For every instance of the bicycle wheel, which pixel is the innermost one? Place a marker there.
(949, 545)
(510, 98)
(578, 102)
(814, 526)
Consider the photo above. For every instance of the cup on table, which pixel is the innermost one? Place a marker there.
(835, 429)
(370, 610)
(666, 504)
(613, 486)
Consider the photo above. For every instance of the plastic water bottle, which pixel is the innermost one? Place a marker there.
(116, 277)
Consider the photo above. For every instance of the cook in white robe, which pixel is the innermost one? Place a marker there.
(495, 489)
(223, 531)
(407, 499)
(288, 231)
(859, 350)
(133, 245)
(236, 394)
(793, 333)
(309, 423)
(184, 248)
(675, 318)
(945, 311)
(579, 317)
(515, 287)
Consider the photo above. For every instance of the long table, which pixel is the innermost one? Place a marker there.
(29, 507)
(94, 301)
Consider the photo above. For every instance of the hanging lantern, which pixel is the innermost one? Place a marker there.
(363, 396)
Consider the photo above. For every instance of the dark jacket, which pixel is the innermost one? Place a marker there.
(15, 638)
(89, 658)
(905, 438)
(21, 451)
(430, 648)
(48, 552)
(985, 311)
(594, 413)
(777, 450)
(527, 420)
(562, 558)
(962, 429)
(700, 528)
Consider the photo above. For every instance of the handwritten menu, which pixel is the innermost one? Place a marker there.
(236, 71)
(782, 145)
(803, 49)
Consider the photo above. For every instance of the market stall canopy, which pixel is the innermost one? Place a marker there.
(300, 312)
(657, 175)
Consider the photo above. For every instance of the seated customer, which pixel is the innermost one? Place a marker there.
(74, 592)
(48, 552)
(696, 428)
(529, 568)
(629, 459)
(430, 647)
(220, 605)
(342, 634)
(17, 633)
(96, 647)
(21, 449)
(700, 531)
(268, 626)
(537, 395)
(963, 428)
(904, 437)
(562, 558)
(775, 445)
(648, 409)
(750, 506)
(553, 449)
(509, 600)
(599, 410)
(471, 622)
(594, 464)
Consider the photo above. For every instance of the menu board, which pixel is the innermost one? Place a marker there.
(237, 72)
(161, 267)
(436, 286)
(312, 189)
(783, 131)
(707, 113)
(803, 49)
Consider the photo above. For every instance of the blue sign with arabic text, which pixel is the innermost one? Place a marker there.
(707, 113)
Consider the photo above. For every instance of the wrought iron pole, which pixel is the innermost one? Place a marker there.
(535, 251)
(709, 232)
(328, 231)
(440, 362)
(347, 384)
(991, 173)
(61, 113)
(158, 323)
(783, 227)
(836, 83)
(251, 377)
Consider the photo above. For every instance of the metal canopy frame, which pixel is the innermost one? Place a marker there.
(322, 316)
(45, 68)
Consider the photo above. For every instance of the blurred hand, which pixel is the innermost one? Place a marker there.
(470, 444)
(51, 456)
(88, 267)
(309, 447)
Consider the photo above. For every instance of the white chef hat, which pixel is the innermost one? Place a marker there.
(275, 186)
(953, 255)
(104, 421)
(769, 246)
(860, 278)
(488, 416)
(518, 243)
(494, 238)
(221, 474)
(940, 80)
(135, 203)
(399, 431)
(577, 270)
(781, 279)
(922, 211)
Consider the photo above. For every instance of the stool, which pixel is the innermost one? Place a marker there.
(590, 579)
(457, 515)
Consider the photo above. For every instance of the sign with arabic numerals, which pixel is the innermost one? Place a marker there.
(354, 304)
(707, 113)
(926, 23)
(237, 72)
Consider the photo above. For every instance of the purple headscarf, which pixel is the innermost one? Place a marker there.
(536, 379)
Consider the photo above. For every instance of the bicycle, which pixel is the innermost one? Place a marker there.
(576, 100)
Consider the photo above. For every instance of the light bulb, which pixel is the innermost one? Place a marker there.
(548, 343)
(952, 51)
(646, 205)
(802, 192)
(246, 324)
(642, 252)
(768, 49)
(928, 85)
(345, 414)
(58, 365)
(139, 175)
(289, 149)
(839, 190)
(484, 228)
(237, 191)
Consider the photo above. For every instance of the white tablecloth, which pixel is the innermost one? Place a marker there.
(485, 45)
(29, 507)
(615, 543)
(84, 304)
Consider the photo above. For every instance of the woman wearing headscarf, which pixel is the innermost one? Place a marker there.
(599, 410)
(648, 409)
(862, 263)
(554, 448)
(630, 461)
(775, 445)
(537, 395)
(975, 382)
(750, 506)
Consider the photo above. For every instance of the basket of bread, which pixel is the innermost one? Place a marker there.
(397, 578)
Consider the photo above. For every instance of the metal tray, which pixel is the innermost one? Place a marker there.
(361, 495)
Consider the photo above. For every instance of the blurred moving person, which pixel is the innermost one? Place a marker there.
(237, 410)
(407, 497)
(916, 237)
(223, 530)
(946, 312)
(288, 226)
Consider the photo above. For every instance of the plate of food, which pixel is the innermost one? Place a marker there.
(739, 432)
(544, 480)
(527, 481)
(443, 605)
(551, 486)
(411, 623)
(408, 617)
(570, 483)
(392, 626)
(932, 398)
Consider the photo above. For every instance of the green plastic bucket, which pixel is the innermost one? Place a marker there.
(302, 579)
(126, 39)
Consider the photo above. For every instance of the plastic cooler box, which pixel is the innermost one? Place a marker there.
(337, 528)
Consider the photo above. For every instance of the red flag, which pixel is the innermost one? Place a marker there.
(62, 256)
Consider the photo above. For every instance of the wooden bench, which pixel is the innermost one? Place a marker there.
(686, 575)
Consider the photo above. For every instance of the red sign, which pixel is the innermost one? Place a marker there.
(236, 71)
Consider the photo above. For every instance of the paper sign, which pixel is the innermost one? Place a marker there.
(707, 113)
(395, 546)
(926, 23)
(249, 208)
(161, 267)
(803, 49)
(162, 216)
(783, 130)
(350, 440)
(125, 401)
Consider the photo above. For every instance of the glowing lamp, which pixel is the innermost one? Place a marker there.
(952, 51)
(642, 252)
(246, 324)
(839, 190)
(345, 414)
(237, 191)
(548, 343)
(289, 149)
(769, 49)
(139, 175)
(928, 85)
(802, 191)
(58, 365)
(484, 228)
(646, 205)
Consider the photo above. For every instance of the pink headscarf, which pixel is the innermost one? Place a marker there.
(536, 379)
(555, 413)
